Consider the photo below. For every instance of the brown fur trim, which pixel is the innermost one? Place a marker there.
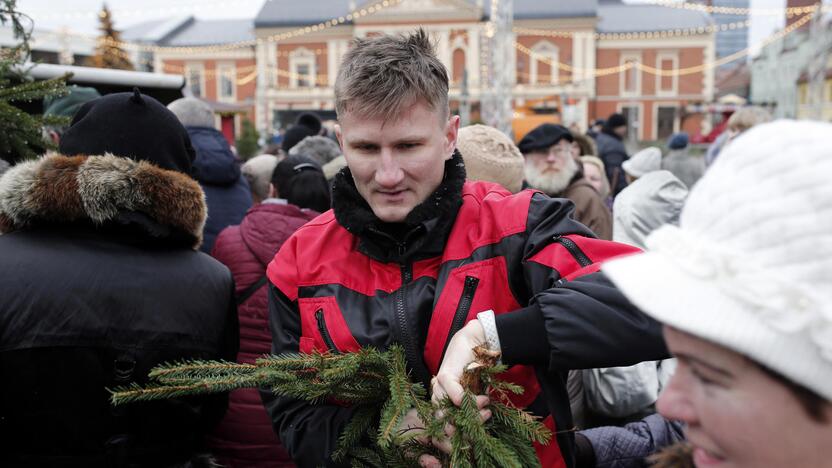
(172, 199)
(678, 455)
(55, 192)
(98, 188)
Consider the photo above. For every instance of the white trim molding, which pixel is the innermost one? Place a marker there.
(226, 70)
(638, 105)
(297, 58)
(551, 52)
(630, 56)
(195, 67)
(674, 79)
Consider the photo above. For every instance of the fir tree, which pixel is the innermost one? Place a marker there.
(21, 133)
(377, 385)
(108, 51)
(247, 143)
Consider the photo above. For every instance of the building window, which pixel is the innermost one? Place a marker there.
(544, 63)
(458, 66)
(667, 84)
(195, 79)
(665, 122)
(630, 75)
(302, 67)
(633, 115)
(226, 82)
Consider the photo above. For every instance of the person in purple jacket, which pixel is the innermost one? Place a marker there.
(298, 193)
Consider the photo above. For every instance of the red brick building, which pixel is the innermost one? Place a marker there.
(578, 60)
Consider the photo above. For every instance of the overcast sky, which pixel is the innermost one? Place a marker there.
(80, 15)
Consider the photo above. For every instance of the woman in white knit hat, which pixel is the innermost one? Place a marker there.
(744, 288)
(491, 156)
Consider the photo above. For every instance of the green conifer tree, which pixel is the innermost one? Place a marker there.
(108, 51)
(247, 143)
(20, 132)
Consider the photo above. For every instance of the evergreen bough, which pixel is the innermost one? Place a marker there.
(377, 385)
(21, 134)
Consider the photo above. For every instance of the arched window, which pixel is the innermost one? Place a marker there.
(541, 72)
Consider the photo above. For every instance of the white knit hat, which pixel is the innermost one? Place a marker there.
(490, 155)
(647, 160)
(750, 265)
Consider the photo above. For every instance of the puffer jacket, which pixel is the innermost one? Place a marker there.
(218, 172)
(346, 280)
(101, 280)
(245, 437)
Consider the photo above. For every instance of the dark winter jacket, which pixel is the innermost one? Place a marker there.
(628, 446)
(611, 150)
(217, 170)
(100, 280)
(245, 437)
(347, 280)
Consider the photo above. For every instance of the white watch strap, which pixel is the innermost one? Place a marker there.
(489, 326)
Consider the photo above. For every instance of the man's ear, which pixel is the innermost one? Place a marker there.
(451, 133)
(339, 136)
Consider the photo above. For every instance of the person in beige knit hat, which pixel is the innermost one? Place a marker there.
(490, 155)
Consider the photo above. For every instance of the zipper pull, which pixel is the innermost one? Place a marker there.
(402, 248)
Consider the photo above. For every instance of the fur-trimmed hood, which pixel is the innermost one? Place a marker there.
(101, 190)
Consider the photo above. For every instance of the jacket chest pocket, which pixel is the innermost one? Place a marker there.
(323, 327)
(468, 290)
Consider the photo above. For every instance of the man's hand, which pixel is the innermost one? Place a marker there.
(460, 353)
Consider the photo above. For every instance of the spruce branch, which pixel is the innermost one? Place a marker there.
(378, 386)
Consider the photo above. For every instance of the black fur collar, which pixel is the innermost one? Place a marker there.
(423, 233)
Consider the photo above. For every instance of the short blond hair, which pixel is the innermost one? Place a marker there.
(382, 76)
(597, 162)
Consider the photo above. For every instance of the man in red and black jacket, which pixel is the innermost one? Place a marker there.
(411, 252)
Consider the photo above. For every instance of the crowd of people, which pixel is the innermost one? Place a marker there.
(666, 305)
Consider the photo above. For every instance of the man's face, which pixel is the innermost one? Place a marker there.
(551, 169)
(396, 165)
(621, 131)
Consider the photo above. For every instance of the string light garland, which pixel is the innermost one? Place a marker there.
(737, 11)
(668, 33)
(661, 72)
(138, 12)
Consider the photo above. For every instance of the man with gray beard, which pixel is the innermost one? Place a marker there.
(551, 169)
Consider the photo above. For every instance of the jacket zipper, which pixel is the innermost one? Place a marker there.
(319, 316)
(574, 250)
(462, 309)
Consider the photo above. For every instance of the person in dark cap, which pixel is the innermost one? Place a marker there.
(101, 280)
(595, 128)
(611, 150)
(551, 168)
(310, 121)
(678, 160)
(294, 135)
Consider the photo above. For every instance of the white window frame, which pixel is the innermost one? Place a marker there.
(677, 121)
(674, 89)
(547, 50)
(231, 69)
(640, 106)
(192, 67)
(622, 75)
(302, 56)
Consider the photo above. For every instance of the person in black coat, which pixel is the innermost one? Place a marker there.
(101, 280)
(611, 150)
(216, 168)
